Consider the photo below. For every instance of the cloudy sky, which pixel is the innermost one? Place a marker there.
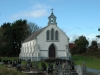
(74, 17)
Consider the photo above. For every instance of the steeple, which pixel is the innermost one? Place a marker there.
(52, 19)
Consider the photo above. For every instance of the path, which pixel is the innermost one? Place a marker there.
(92, 70)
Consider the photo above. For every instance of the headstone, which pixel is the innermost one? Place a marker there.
(0, 60)
(84, 68)
(11, 62)
(7, 61)
(56, 68)
(57, 62)
(72, 67)
(19, 61)
(28, 65)
(44, 67)
(4, 62)
(60, 70)
(66, 68)
(50, 69)
(19, 65)
(15, 63)
(36, 66)
(79, 70)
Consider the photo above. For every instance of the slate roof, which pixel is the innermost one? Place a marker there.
(33, 35)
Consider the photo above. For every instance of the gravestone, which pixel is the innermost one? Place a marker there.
(7, 61)
(56, 68)
(72, 67)
(36, 66)
(66, 68)
(50, 68)
(57, 62)
(0, 60)
(44, 68)
(28, 65)
(4, 62)
(19, 61)
(10, 62)
(19, 65)
(60, 70)
(15, 63)
(79, 70)
(84, 68)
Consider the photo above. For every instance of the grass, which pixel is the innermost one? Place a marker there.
(10, 58)
(90, 62)
(9, 71)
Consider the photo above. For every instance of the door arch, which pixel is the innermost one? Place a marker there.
(52, 51)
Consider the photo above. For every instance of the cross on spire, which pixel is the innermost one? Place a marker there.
(52, 10)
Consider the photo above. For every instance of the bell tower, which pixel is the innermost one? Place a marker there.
(52, 19)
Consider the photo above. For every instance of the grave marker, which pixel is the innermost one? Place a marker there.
(28, 65)
(79, 70)
(84, 68)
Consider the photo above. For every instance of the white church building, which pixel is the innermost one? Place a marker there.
(47, 42)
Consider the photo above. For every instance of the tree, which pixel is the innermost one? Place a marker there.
(6, 39)
(20, 32)
(32, 27)
(81, 44)
(13, 34)
(94, 45)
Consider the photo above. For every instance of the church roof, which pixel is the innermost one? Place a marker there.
(33, 35)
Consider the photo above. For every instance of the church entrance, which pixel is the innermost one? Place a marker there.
(52, 51)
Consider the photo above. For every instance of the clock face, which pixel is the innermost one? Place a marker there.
(52, 20)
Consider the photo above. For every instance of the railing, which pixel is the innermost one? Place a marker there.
(42, 58)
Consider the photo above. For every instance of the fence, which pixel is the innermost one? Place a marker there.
(42, 58)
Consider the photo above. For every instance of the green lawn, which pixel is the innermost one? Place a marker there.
(90, 62)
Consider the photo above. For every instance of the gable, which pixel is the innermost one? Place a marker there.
(55, 30)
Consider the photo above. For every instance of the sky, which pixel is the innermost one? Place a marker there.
(74, 17)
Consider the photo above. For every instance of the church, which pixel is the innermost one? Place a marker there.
(48, 42)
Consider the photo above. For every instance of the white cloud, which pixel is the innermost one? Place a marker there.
(36, 11)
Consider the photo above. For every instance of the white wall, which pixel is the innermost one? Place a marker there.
(27, 48)
(60, 45)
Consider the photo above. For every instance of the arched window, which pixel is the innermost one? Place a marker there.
(48, 35)
(56, 35)
(52, 34)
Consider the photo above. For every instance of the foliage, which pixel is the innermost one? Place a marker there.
(93, 46)
(6, 39)
(13, 34)
(81, 45)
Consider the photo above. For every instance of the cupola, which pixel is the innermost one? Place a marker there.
(52, 19)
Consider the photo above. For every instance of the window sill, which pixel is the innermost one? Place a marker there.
(52, 40)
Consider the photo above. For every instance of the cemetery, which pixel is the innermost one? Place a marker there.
(46, 67)
(49, 56)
